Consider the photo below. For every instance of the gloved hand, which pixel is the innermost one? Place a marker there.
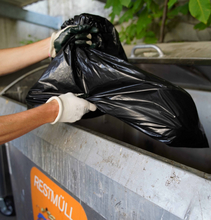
(71, 108)
(83, 35)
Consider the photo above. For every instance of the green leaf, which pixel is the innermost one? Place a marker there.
(183, 8)
(171, 3)
(154, 7)
(150, 40)
(148, 2)
(125, 2)
(117, 7)
(201, 26)
(126, 16)
(109, 3)
(141, 34)
(173, 13)
(128, 41)
(150, 37)
(133, 30)
(143, 21)
(112, 16)
(131, 4)
(137, 6)
(180, 9)
(130, 33)
(122, 36)
(157, 12)
(200, 9)
(150, 34)
(128, 29)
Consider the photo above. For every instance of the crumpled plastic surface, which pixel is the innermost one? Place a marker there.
(103, 76)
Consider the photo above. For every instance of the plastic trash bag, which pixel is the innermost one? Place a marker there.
(150, 104)
(107, 39)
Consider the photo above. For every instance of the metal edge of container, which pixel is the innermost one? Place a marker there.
(176, 61)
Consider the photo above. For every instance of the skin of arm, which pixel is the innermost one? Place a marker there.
(16, 125)
(13, 59)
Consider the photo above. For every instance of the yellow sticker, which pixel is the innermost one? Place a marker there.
(50, 202)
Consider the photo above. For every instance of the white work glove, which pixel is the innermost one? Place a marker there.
(71, 108)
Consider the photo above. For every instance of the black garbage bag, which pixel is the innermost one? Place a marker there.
(148, 103)
(107, 39)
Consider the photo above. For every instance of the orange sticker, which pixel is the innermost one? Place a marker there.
(50, 202)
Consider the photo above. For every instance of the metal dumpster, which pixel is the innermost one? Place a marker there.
(108, 168)
(6, 199)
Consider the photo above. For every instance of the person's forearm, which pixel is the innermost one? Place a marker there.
(14, 59)
(15, 125)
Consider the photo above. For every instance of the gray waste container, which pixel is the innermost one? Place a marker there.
(112, 170)
(6, 197)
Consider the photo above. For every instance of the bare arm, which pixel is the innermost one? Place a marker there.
(15, 125)
(14, 59)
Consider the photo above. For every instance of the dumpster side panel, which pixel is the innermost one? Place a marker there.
(105, 195)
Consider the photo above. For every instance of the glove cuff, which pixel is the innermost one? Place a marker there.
(52, 52)
(60, 108)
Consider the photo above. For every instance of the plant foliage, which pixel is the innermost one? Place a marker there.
(140, 15)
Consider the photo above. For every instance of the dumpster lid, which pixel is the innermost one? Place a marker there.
(173, 53)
